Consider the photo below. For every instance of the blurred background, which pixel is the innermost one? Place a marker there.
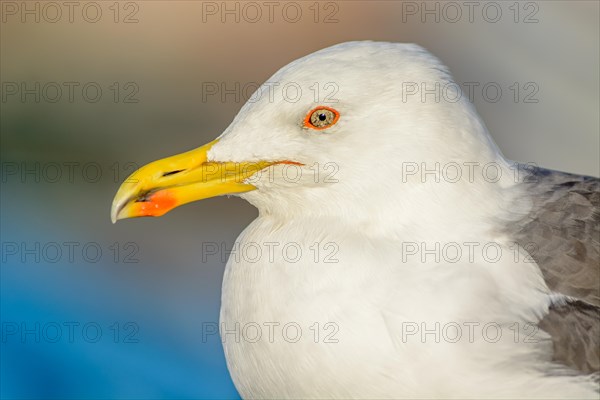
(92, 89)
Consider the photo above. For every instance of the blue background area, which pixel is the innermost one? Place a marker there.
(151, 314)
(172, 288)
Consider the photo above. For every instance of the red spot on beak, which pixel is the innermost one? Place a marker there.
(157, 204)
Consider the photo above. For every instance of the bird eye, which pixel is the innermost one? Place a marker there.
(321, 118)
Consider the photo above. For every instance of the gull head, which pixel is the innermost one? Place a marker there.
(339, 131)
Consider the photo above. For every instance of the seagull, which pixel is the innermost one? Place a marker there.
(396, 253)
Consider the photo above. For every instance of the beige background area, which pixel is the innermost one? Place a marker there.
(177, 45)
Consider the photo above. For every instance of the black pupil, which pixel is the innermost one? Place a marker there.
(322, 117)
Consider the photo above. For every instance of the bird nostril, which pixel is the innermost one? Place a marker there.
(172, 172)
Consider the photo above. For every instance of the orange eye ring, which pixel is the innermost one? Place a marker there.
(321, 117)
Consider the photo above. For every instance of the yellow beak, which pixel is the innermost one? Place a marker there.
(162, 185)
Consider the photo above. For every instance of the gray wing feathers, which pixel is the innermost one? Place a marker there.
(575, 333)
(563, 232)
(562, 235)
